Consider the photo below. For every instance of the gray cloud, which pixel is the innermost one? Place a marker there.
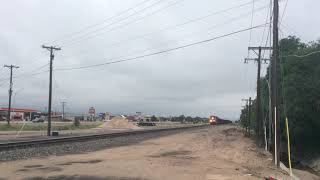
(201, 80)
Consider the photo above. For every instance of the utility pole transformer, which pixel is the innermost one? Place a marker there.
(50, 48)
(274, 84)
(10, 91)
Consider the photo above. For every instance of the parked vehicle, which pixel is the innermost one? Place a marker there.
(38, 120)
(146, 124)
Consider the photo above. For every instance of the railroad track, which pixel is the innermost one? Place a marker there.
(79, 138)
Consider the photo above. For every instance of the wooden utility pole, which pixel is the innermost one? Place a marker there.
(10, 91)
(246, 115)
(274, 84)
(50, 48)
(248, 107)
(63, 105)
(259, 121)
(249, 115)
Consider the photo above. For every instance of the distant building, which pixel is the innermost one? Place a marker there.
(18, 114)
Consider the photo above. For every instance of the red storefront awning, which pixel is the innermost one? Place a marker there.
(19, 110)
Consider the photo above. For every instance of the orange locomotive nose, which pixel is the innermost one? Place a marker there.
(212, 120)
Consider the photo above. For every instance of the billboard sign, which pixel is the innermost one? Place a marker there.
(92, 111)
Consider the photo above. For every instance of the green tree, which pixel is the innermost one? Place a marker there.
(299, 93)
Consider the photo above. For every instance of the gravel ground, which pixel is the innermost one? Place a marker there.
(80, 147)
(215, 153)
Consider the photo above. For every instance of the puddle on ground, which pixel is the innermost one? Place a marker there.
(33, 166)
(179, 154)
(81, 162)
(172, 154)
(38, 168)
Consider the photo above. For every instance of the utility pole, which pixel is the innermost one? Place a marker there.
(249, 115)
(10, 91)
(274, 83)
(244, 118)
(246, 115)
(270, 122)
(50, 48)
(63, 105)
(248, 105)
(259, 121)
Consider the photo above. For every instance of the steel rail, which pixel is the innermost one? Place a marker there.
(80, 138)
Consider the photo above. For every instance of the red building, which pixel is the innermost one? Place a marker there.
(17, 114)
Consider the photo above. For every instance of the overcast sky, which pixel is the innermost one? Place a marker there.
(205, 79)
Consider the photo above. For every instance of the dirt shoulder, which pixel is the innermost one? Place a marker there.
(213, 153)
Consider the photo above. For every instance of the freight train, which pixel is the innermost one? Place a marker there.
(215, 120)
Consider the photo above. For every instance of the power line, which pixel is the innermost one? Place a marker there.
(124, 25)
(94, 33)
(180, 24)
(284, 10)
(102, 22)
(160, 52)
(251, 24)
(65, 69)
(209, 28)
(269, 30)
(97, 24)
(26, 74)
(265, 27)
(302, 56)
(183, 37)
(32, 71)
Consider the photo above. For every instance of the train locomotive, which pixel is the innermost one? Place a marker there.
(215, 120)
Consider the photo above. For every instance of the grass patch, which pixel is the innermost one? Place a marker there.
(43, 126)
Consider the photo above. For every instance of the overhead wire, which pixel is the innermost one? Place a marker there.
(269, 39)
(160, 52)
(91, 26)
(26, 73)
(284, 10)
(101, 22)
(176, 25)
(33, 74)
(126, 24)
(34, 70)
(302, 56)
(251, 24)
(94, 33)
(189, 34)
